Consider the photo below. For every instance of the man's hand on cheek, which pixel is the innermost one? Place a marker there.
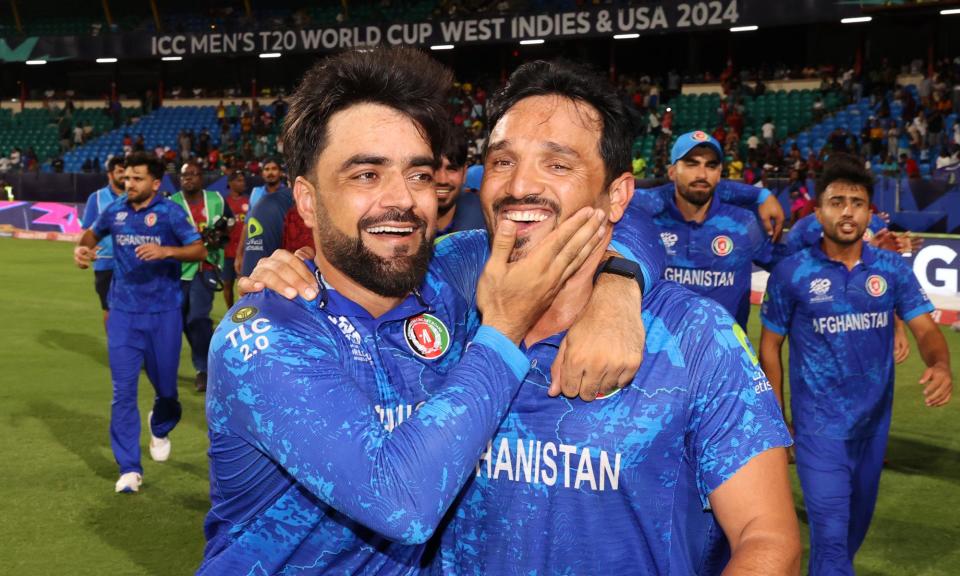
(603, 349)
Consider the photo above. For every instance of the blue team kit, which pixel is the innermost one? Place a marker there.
(311, 470)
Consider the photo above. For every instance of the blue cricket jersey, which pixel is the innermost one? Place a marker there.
(808, 232)
(97, 202)
(714, 258)
(139, 286)
(635, 468)
(840, 327)
(310, 468)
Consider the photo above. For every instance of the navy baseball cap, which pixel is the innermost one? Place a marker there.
(687, 142)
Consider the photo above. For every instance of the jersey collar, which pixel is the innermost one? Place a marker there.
(334, 302)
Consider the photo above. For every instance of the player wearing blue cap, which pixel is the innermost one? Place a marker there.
(98, 202)
(341, 428)
(151, 237)
(836, 301)
(710, 245)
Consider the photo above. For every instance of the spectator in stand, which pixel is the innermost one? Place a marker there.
(945, 159)
(221, 113)
(909, 167)
(735, 167)
(78, 134)
(800, 202)
(639, 166)
(239, 203)
(769, 131)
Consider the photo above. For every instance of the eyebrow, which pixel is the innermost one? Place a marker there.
(550, 145)
(360, 159)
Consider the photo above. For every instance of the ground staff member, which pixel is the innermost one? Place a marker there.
(836, 301)
(151, 238)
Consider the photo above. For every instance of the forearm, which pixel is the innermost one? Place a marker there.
(772, 365)
(328, 436)
(763, 553)
(190, 253)
(88, 239)
(933, 349)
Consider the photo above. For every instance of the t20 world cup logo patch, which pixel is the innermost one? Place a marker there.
(876, 285)
(426, 336)
(722, 245)
(151, 219)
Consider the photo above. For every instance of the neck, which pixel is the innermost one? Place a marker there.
(143, 203)
(271, 188)
(192, 196)
(376, 304)
(571, 300)
(444, 220)
(692, 212)
(846, 254)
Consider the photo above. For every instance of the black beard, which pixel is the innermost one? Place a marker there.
(390, 277)
(695, 198)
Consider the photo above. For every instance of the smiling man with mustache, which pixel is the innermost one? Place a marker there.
(709, 243)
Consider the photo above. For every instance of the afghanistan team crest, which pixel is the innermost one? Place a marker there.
(722, 245)
(150, 219)
(876, 285)
(426, 336)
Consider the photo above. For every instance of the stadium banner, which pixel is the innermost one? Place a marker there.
(651, 17)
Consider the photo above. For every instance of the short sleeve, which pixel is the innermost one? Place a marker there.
(911, 300)
(638, 239)
(734, 415)
(776, 311)
(182, 228)
(459, 259)
(741, 194)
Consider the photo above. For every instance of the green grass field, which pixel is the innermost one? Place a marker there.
(61, 516)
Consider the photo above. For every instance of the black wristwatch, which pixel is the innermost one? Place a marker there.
(620, 267)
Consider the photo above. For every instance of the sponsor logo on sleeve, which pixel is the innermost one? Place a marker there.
(427, 336)
(244, 314)
(254, 228)
(722, 245)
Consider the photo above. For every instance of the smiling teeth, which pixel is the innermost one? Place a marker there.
(389, 229)
(525, 216)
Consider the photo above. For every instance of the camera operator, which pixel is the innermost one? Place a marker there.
(209, 214)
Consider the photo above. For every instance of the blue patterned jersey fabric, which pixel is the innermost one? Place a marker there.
(634, 469)
(808, 232)
(311, 470)
(97, 202)
(840, 328)
(714, 258)
(140, 286)
(730, 191)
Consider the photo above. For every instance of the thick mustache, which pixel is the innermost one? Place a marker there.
(393, 216)
(530, 200)
(703, 182)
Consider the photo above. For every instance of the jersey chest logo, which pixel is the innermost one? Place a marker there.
(426, 336)
(151, 219)
(876, 285)
(722, 245)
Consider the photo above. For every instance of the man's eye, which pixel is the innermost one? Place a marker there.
(366, 176)
(422, 177)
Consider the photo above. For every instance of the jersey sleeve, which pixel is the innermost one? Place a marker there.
(776, 311)
(651, 200)
(911, 300)
(459, 258)
(182, 228)
(636, 237)
(797, 238)
(283, 387)
(876, 224)
(90, 211)
(741, 194)
(764, 254)
(734, 415)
